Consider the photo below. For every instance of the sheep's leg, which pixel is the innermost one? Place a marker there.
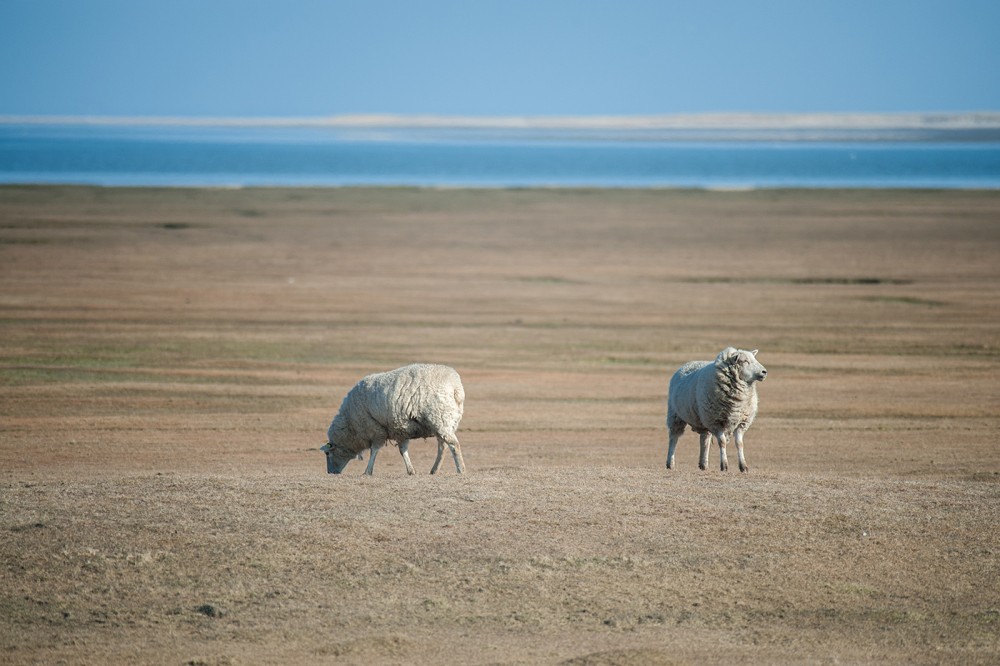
(704, 440)
(371, 458)
(676, 429)
(437, 461)
(456, 452)
(723, 461)
(404, 450)
(738, 436)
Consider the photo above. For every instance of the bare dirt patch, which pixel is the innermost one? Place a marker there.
(171, 359)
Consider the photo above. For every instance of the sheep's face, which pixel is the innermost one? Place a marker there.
(336, 459)
(743, 363)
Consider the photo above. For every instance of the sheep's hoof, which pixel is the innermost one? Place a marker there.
(702, 466)
(724, 467)
(744, 469)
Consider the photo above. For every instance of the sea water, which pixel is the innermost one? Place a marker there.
(316, 156)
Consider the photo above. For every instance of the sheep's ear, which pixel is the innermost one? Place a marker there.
(722, 360)
(754, 352)
(325, 448)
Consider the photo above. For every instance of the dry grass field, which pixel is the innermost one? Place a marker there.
(170, 361)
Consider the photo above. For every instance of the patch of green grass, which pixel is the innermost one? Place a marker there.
(804, 281)
(624, 400)
(92, 360)
(24, 241)
(903, 300)
(635, 360)
(181, 361)
(896, 616)
(27, 375)
(989, 617)
(860, 280)
(876, 345)
(860, 590)
(20, 375)
(546, 279)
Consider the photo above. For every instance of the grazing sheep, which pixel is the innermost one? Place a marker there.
(715, 399)
(415, 401)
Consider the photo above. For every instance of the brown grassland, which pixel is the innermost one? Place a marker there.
(171, 358)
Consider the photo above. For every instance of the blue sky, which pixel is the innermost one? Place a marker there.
(484, 57)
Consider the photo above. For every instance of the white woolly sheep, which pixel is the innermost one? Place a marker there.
(413, 402)
(715, 399)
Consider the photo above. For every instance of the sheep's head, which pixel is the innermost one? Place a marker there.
(742, 363)
(336, 458)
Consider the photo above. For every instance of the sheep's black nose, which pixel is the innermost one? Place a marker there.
(763, 373)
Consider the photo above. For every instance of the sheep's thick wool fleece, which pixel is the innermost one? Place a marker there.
(709, 399)
(411, 402)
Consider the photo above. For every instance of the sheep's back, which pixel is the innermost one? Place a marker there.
(685, 387)
(414, 401)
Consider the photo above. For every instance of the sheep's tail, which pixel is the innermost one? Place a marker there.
(459, 395)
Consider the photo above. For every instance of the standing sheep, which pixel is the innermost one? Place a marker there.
(715, 399)
(415, 401)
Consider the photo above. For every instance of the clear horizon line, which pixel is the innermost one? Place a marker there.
(936, 120)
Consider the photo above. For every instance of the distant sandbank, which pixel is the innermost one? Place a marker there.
(706, 121)
(969, 127)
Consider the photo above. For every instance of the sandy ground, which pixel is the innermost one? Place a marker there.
(170, 361)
